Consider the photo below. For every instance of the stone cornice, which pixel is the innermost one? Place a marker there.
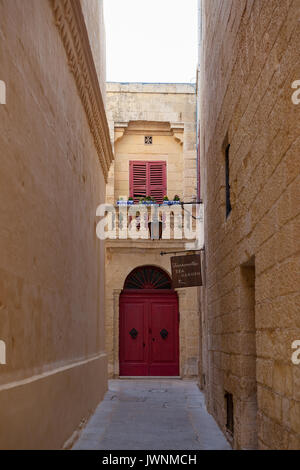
(154, 128)
(135, 246)
(71, 24)
(153, 88)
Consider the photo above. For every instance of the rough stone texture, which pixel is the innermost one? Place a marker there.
(250, 58)
(152, 415)
(52, 264)
(168, 113)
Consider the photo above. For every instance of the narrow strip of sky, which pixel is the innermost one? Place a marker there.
(151, 40)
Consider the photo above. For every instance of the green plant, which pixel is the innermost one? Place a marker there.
(176, 198)
(166, 198)
(150, 199)
(130, 199)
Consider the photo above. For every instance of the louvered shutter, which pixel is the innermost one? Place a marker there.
(138, 180)
(157, 180)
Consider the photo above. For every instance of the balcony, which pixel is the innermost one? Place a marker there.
(159, 224)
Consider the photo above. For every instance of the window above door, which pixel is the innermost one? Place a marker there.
(148, 179)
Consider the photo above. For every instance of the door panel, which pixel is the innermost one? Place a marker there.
(163, 347)
(133, 349)
(149, 354)
(164, 341)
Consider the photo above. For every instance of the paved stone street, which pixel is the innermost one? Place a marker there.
(155, 414)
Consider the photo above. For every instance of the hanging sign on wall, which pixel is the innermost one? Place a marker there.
(186, 271)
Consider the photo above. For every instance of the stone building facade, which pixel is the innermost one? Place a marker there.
(167, 114)
(250, 182)
(55, 155)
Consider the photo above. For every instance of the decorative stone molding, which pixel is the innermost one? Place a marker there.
(120, 129)
(177, 130)
(70, 22)
(154, 128)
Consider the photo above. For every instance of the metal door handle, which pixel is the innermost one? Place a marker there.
(164, 333)
(133, 333)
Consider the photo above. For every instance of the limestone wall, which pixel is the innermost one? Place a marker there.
(51, 264)
(94, 19)
(167, 112)
(171, 104)
(251, 300)
(165, 148)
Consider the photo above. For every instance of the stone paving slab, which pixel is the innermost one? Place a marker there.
(160, 414)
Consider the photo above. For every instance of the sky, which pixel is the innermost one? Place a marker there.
(151, 40)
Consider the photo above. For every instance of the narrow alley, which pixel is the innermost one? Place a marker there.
(153, 414)
(149, 226)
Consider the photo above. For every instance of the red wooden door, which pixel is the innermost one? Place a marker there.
(149, 333)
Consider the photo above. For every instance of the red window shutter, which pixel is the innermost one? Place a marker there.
(148, 179)
(157, 180)
(138, 180)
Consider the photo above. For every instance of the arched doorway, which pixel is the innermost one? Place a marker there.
(149, 324)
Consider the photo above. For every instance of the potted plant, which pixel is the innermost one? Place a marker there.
(130, 201)
(176, 199)
(166, 201)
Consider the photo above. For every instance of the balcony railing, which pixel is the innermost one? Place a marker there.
(153, 222)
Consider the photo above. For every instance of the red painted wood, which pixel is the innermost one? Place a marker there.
(148, 179)
(157, 180)
(164, 352)
(149, 312)
(138, 181)
(133, 352)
